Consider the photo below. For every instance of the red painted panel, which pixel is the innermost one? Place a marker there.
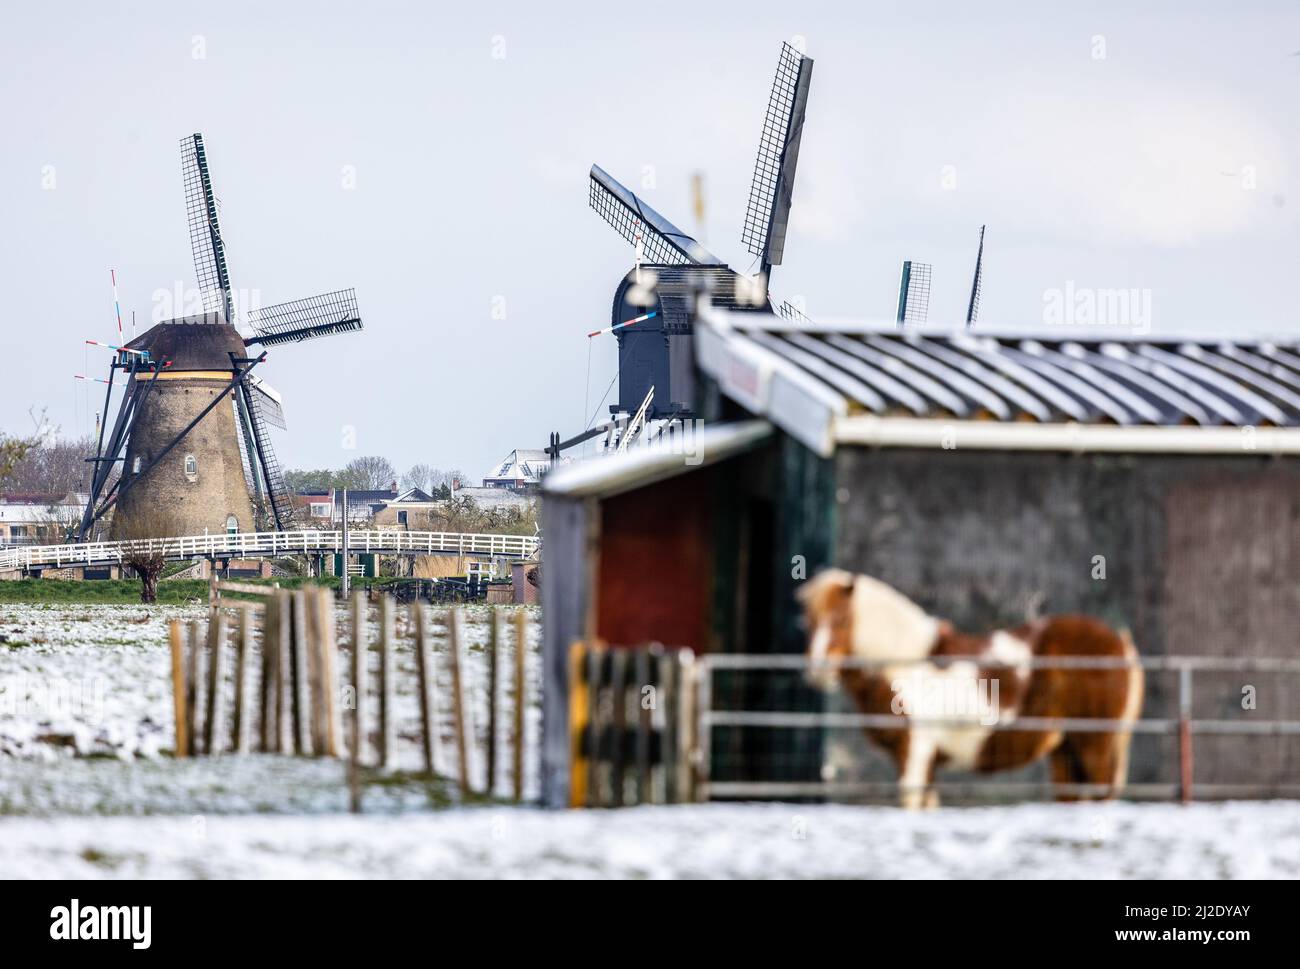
(656, 564)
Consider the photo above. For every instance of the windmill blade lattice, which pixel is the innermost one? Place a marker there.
(662, 242)
(977, 284)
(209, 251)
(914, 292)
(305, 319)
(768, 212)
(268, 400)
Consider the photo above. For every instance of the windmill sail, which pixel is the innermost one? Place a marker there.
(914, 293)
(305, 319)
(205, 234)
(261, 464)
(768, 212)
(977, 285)
(632, 218)
(269, 401)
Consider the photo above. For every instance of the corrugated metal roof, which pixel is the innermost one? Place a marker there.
(1044, 377)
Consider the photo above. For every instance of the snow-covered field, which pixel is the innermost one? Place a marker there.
(85, 709)
(93, 681)
(1237, 840)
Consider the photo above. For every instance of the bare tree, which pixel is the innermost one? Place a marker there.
(422, 476)
(370, 473)
(53, 466)
(12, 452)
(144, 551)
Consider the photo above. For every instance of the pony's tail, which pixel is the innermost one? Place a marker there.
(1134, 689)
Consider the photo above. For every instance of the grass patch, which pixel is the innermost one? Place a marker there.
(127, 591)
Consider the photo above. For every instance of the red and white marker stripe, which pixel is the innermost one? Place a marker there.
(619, 326)
(109, 346)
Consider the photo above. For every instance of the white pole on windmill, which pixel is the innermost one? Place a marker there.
(117, 306)
(343, 581)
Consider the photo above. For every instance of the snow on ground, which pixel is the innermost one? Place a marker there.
(85, 711)
(1233, 840)
(91, 681)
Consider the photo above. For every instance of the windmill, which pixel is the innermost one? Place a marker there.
(655, 375)
(914, 289)
(192, 424)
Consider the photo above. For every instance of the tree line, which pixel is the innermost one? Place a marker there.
(374, 473)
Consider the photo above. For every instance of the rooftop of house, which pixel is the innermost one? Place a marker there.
(520, 465)
(43, 498)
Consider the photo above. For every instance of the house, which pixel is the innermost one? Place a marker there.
(36, 519)
(1152, 481)
(415, 509)
(521, 470)
(314, 509)
(323, 508)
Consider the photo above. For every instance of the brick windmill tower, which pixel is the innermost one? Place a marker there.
(191, 431)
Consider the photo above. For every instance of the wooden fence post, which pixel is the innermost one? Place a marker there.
(669, 699)
(179, 688)
(687, 734)
(618, 688)
(315, 671)
(284, 695)
(385, 681)
(328, 674)
(595, 671)
(641, 699)
(579, 713)
(357, 739)
(494, 637)
(239, 725)
(192, 688)
(424, 669)
(301, 685)
(360, 672)
(216, 640)
(270, 673)
(457, 699)
(521, 700)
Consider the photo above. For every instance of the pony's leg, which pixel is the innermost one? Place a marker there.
(1100, 758)
(1064, 769)
(916, 770)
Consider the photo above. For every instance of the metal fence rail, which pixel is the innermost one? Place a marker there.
(271, 544)
(1184, 726)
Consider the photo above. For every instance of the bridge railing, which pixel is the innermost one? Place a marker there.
(274, 544)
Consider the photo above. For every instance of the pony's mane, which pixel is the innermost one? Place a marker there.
(887, 625)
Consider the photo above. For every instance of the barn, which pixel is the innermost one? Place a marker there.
(1149, 480)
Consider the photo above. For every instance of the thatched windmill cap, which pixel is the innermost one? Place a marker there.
(192, 343)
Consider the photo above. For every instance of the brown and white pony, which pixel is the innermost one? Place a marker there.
(858, 616)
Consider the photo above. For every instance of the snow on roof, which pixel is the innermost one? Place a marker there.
(521, 465)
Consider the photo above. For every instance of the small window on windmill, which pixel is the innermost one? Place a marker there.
(191, 467)
(232, 525)
(135, 465)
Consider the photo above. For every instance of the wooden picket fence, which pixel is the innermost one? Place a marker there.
(301, 702)
(632, 716)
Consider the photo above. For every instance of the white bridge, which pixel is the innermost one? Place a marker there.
(270, 545)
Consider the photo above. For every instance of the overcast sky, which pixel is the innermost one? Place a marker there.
(1105, 148)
